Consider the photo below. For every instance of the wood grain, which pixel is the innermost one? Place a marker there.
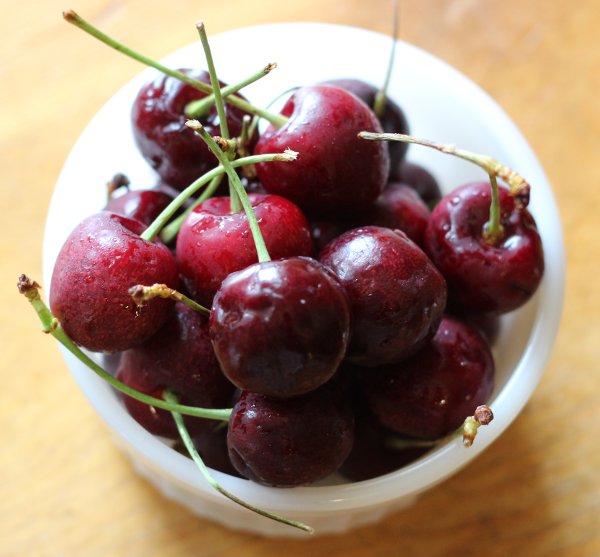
(66, 491)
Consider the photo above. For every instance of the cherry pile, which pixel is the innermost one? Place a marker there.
(343, 321)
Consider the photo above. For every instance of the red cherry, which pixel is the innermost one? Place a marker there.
(158, 118)
(431, 394)
(213, 242)
(101, 259)
(336, 172)
(280, 328)
(286, 443)
(485, 276)
(396, 294)
(143, 205)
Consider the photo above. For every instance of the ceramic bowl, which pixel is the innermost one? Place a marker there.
(440, 104)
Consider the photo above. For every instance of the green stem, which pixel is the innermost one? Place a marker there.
(198, 108)
(235, 204)
(71, 17)
(214, 81)
(493, 230)
(51, 326)
(259, 242)
(153, 230)
(189, 445)
(381, 96)
(141, 294)
(515, 182)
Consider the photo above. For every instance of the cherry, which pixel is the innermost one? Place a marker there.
(158, 119)
(181, 358)
(431, 394)
(212, 446)
(157, 421)
(142, 205)
(371, 455)
(213, 242)
(101, 259)
(483, 275)
(397, 296)
(335, 172)
(280, 328)
(286, 443)
(392, 118)
(418, 178)
(400, 207)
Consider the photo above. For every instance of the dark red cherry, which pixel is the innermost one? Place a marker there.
(155, 420)
(212, 447)
(418, 178)
(170, 147)
(143, 205)
(484, 276)
(336, 172)
(101, 259)
(431, 394)
(393, 119)
(213, 242)
(400, 207)
(397, 296)
(372, 454)
(286, 443)
(180, 357)
(280, 328)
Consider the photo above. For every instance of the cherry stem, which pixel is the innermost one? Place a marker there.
(154, 229)
(75, 19)
(214, 81)
(483, 415)
(493, 229)
(198, 108)
(381, 96)
(142, 294)
(235, 204)
(30, 289)
(170, 231)
(189, 445)
(119, 180)
(234, 180)
(515, 182)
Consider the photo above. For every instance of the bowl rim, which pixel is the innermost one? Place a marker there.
(441, 462)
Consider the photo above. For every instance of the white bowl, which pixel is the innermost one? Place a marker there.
(441, 104)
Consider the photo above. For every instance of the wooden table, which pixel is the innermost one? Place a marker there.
(66, 491)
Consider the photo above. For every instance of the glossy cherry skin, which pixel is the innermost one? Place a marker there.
(431, 394)
(152, 419)
(287, 443)
(280, 328)
(393, 119)
(177, 153)
(101, 259)
(485, 277)
(400, 207)
(418, 178)
(142, 205)
(336, 171)
(396, 294)
(213, 242)
(180, 357)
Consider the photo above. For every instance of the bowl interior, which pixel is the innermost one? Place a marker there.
(440, 104)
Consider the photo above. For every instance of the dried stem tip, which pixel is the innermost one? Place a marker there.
(483, 416)
(142, 294)
(28, 287)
